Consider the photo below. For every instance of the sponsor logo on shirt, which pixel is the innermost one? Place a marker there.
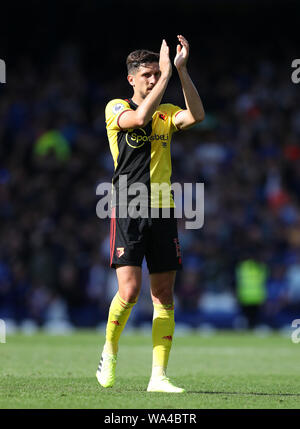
(138, 137)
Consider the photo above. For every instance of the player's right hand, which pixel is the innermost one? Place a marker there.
(165, 65)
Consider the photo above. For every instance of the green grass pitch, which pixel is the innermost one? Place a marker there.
(224, 370)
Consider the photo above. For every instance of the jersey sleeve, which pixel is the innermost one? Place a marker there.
(172, 111)
(114, 109)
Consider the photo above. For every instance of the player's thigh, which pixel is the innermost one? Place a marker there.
(129, 282)
(162, 287)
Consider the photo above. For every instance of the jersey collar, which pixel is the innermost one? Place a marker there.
(133, 103)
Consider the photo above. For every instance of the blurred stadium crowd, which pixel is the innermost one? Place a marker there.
(243, 264)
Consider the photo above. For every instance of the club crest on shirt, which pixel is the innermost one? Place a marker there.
(118, 107)
(162, 116)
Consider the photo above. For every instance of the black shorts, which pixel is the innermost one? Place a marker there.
(155, 238)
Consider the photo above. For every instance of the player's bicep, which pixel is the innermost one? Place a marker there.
(183, 120)
(129, 119)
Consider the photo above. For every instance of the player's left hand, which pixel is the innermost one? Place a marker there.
(182, 53)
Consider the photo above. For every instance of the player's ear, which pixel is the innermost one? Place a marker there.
(130, 79)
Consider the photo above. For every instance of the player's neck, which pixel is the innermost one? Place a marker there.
(137, 99)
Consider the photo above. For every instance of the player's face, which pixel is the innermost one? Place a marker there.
(145, 79)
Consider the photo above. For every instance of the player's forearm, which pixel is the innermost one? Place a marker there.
(147, 108)
(191, 96)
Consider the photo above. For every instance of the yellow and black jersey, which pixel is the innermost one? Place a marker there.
(142, 154)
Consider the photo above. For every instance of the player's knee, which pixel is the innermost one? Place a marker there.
(130, 293)
(129, 285)
(132, 297)
(163, 296)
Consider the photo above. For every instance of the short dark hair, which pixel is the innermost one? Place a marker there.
(139, 57)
